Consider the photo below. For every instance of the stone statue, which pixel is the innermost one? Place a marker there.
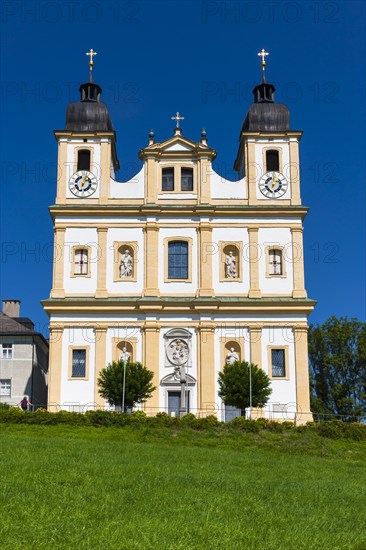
(125, 356)
(231, 357)
(230, 266)
(125, 267)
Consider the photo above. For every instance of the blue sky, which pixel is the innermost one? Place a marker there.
(200, 58)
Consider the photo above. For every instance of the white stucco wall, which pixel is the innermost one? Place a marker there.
(75, 236)
(277, 236)
(237, 235)
(222, 188)
(177, 287)
(77, 394)
(123, 234)
(283, 391)
(131, 189)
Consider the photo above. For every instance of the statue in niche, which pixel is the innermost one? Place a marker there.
(230, 266)
(125, 355)
(231, 357)
(126, 265)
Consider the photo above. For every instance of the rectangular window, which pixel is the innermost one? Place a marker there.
(81, 262)
(187, 179)
(168, 179)
(5, 387)
(7, 351)
(278, 363)
(275, 262)
(272, 161)
(178, 260)
(78, 363)
(84, 159)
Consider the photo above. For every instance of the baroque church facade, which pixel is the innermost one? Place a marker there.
(179, 268)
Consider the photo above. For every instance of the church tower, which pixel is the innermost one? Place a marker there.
(179, 268)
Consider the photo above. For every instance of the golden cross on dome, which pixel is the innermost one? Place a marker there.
(91, 53)
(263, 54)
(177, 117)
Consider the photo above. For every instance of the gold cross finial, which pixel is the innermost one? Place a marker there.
(91, 53)
(263, 54)
(177, 118)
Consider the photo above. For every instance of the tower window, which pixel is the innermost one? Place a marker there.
(168, 179)
(275, 262)
(81, 262)
(187, 179)
(84, 159)
(272, 161)
(178, 260)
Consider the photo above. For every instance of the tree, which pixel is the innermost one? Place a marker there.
(138, 386)
(234, 385)
(337, 357)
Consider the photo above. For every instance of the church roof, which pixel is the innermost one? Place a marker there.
(89, 114)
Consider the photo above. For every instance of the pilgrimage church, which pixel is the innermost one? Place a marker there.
(179, 268)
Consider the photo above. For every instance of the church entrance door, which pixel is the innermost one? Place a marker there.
(174, 402)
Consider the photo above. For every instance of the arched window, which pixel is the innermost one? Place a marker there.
(81, 261)
(275, 262)
(178, 260)
(272, 161)
(83, 159)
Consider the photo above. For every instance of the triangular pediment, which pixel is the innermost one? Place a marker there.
(177, 145)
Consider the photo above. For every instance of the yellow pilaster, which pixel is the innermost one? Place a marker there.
(151, 259)
(206, 378)
(256, 346)
(101, 291)
(100, 361)
(205, 194)
(151, 333)
(58, 290)
(105, 171)
(62, 172)
(151, 181)
(251, 173)
(54, 372)
(254, 255)
(205, 251)
(302, 376)
(298, 263)
(295, 173)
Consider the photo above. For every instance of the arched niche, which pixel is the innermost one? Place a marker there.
(125, 258)
(232, 352)
(230, 269)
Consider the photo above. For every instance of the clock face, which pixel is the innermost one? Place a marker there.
(83, 183)
(273, 185)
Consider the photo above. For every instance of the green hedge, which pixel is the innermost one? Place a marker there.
(334, 429)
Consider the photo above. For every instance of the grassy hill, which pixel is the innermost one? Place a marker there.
(146, 487)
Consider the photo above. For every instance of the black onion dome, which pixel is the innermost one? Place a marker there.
(89, 114)
(264, 114)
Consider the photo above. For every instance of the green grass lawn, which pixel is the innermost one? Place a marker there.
(66, 487)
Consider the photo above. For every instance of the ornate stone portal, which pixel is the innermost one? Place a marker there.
(178, 356)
